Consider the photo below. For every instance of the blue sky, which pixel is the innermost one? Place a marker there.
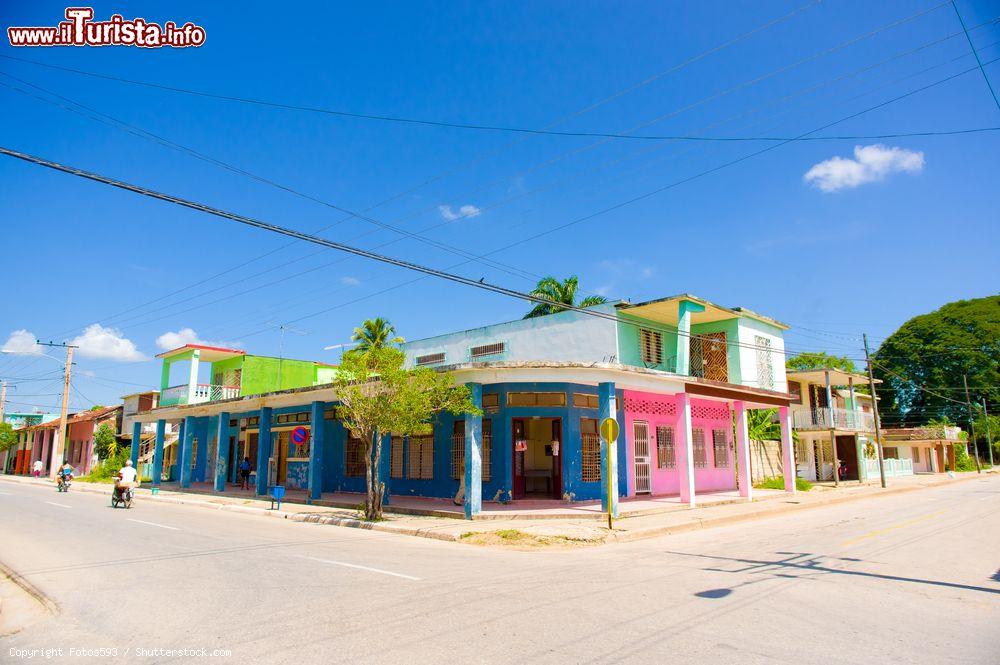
(869, 240)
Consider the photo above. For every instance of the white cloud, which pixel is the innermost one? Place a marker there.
(106, 343)
(22, 342)
(871, 163)
(350, 281)
(170, 340)
(465, 211)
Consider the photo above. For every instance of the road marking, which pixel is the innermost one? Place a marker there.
(354, 565)
(894, 527)
(61, 505)
(6, 493)
(162, 526)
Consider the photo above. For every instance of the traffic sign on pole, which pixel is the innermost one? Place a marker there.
(609, 433)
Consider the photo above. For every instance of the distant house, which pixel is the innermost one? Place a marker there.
(920, 449)
(79, 449)
(20, 420)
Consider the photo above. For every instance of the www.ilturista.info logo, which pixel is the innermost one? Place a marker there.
(81, 30)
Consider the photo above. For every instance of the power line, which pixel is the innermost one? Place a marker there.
(976, 53)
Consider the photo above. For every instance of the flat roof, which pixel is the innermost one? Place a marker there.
(837, 377)
(666, 310)
(209, 353)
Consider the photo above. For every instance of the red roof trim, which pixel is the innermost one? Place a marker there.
(202, 347)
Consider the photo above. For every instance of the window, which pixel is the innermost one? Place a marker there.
(491, 402)
(765, 370)
(286, 418)
(421, 465)
(486, 350)
(590, 451)
(330, 413)
(890, 452)
(429, 359)
(485, 451)
(698, 440)
(916, 455)
(354, 458)
(253, 422)
(795, 390)
(650, 347)
(666, 457)
(720, 448)
(396, 457)
(536, 399)
(584, 401)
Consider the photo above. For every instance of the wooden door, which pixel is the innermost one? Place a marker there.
(251, 449)
(715, 356)
(519, 434)
(557, 459)
(281, 441)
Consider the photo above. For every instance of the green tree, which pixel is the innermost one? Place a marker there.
(820, 360)
(106, 442)
(378, 397)
(561, 294)
(8, 437)
(922, 363)
(374, 334)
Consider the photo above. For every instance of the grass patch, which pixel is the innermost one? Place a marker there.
(778, 483)
(516, 539)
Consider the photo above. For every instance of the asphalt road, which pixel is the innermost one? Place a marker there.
(911, 578)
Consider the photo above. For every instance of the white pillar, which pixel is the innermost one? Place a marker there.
(685, 453)
(787, 449)
(193, 377)
(743, 450)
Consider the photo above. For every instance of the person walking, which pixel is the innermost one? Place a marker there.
(245, 474)
(36, 468)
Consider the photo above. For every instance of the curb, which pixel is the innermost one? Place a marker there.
(50, 605)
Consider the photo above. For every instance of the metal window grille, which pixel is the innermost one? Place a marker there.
(590, 451)
(396, 457)
(650, 347)
(484, 350)
(354, 458)
(720, 448)
(458, 450)
(430, 359)
(421, 465)
(698, 444)
(487, 449)
(666, 455)
(765, 368)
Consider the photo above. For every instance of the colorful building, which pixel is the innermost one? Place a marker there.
(79, 449)
(13, 457)
(910, 450)
(675, 372)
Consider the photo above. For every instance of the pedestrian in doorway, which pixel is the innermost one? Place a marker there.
(245, 474)
(36, 468)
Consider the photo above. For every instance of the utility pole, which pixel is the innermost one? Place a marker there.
(878, 432)
(3, 398)
(986, 417)
(972, 422)
(57, 446)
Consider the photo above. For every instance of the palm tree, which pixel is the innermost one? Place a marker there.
(561, 294)
(375, 334)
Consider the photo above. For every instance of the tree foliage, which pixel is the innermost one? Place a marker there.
(105, 442)
(560, 294)
(378, 397)
(8, 437)
(820, 360)
(923, 362)
(375, 334)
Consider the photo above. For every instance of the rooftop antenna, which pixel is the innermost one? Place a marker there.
(282, 327)
(342, 348)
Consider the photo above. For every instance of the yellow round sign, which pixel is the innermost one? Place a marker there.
(609, 429)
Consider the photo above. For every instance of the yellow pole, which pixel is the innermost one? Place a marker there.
(608, 472)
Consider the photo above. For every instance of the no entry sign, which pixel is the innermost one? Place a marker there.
(300, 435)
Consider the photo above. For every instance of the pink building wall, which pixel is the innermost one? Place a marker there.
(665, 410)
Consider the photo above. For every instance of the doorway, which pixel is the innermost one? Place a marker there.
(640, 456)
(537, 458)
(847, 451)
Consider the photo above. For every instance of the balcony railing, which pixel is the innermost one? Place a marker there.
(203, 392)
(841, 419)
(893, 467)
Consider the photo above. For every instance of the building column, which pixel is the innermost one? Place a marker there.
(222, 452)
(787, 449)
(184, 459)
(474, 454)
(684, 311)
(161, 432)
(832, 414)
(608, 408)
(317, 436)
(165, 375)
(136, 440)
(862, 460)
(263, 450)
(193, 376)
(685, 453)
(743, 451)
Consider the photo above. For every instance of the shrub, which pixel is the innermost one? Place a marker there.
(107, 469)
(778, 483)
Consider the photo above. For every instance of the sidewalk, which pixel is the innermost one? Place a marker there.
(574, 529)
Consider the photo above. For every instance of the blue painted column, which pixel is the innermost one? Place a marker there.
(176, 469)
(607, 408)
(161, 433)
(474, 454)
(222, 445)
(136, 440)
(263, 450)
(317, 433)
(684, 311)
(184, 460)
(384, 466)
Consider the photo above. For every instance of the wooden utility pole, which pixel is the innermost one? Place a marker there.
(989, 433)
(972, 423)
(55, 461)
(3, 398)
(878, 432)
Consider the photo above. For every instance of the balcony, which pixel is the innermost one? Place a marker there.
(843, 419)
(203, 392)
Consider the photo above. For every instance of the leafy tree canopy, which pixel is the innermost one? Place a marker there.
(8, 437)
(923, 362)
(559, 293)
(105, 441)
(820, 360)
